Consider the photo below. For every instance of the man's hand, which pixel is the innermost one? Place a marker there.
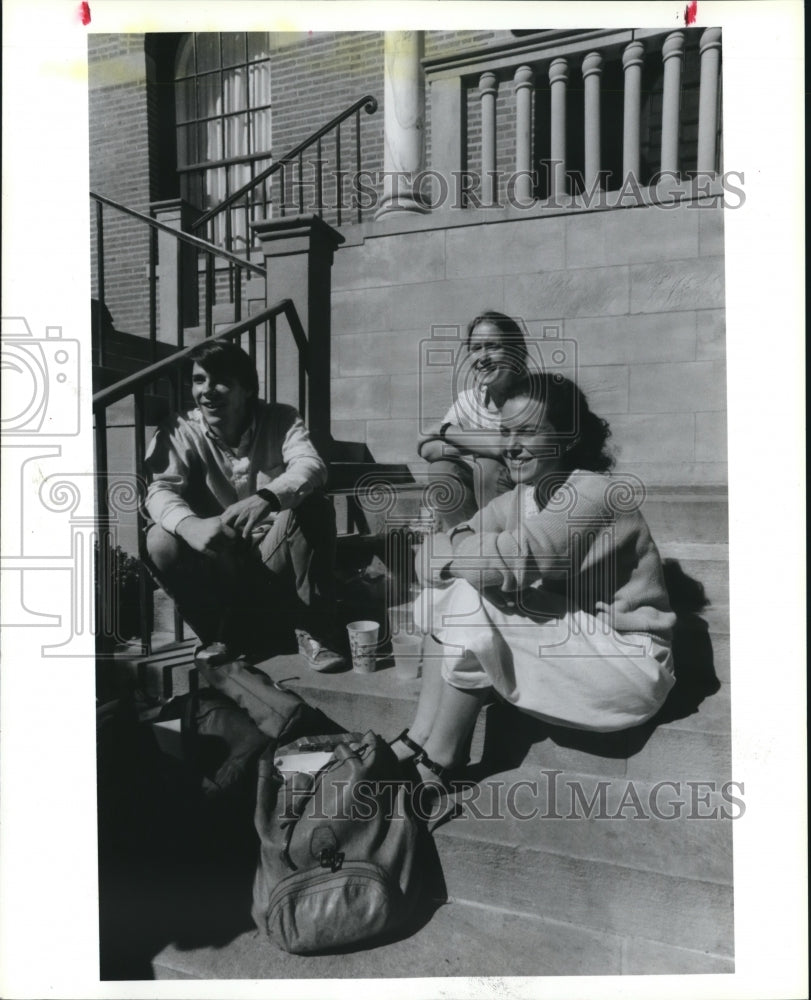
(207, 535)
(244, 515)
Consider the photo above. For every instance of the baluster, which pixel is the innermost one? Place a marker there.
(228, 242)
(357, 160)
(209, 294)
(281, 189)
(100, 282)
(339, 188)
(181, 250)
(301, 182)
(252, 344)
(592, 71)
(672, 54)
(100, 430)
(153, 296)
(632, 59)
(710, 49)
(145, 591)
(558, 78)
(320, 180)
(488, 88)
(523, 85)
(238, 293)
(302, 388)
(270, 361)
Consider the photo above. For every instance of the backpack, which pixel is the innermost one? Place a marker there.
(339, 860)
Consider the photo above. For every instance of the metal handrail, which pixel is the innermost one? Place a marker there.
(368, 103)
(137, 381)
(194, 241)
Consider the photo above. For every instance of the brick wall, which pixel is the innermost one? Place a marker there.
(640, 292)
(120, 169)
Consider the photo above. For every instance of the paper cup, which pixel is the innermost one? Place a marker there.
(407, 650)
(363, 644)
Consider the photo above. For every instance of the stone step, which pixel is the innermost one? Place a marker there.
(459, 939)
(686, 748)
(675, 516)
(688, 514)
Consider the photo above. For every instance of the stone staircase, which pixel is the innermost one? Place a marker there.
(591, 881)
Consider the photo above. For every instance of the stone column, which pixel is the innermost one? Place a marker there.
(710, 49)
(523, 84)
(488, 88)
(592, 71)
(558, 78)
(298, 257)
(632, 59)
(403, 122)
(672, 55)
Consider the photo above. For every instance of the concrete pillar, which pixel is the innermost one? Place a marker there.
(632, 59)
(177, 270)
(298, 257)
(672, 55)
(403, 122)
(710, 49)
(558, 78)
(488, 88)
(523, 86)
(592, 71)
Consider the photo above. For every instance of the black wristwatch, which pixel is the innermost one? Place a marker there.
(270, 497)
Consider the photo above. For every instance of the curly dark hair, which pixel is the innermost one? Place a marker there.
(219, 357)
(564, 405)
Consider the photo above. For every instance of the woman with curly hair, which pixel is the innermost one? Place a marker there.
(552, 596)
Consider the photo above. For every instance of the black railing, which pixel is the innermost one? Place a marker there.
(200, 246)
(135, 388)
(291, 195)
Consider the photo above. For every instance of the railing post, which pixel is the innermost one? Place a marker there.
(558, 78)
(672, 54)
(710, 49)
(592, 71)
(488, 88)
(302, 250)
(100, 282)
(404, 122)
(177, 272)
(523, 86)
(632, 59)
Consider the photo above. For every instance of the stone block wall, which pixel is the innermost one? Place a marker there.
(639, 292)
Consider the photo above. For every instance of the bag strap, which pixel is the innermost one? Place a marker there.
(340, 754)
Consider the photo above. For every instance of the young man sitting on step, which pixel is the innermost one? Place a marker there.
(242, 537)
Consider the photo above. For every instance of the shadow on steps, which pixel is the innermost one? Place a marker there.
(509, 734)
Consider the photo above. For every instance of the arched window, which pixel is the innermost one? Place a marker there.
(222, 105)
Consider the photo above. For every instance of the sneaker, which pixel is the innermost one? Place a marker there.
(317, 655)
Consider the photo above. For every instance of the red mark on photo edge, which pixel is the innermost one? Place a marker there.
(84, 12)
(690, 12)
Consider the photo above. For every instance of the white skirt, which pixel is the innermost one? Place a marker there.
(568, 667)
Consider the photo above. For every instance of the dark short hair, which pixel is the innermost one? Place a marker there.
(219, 357)
(564, 405)
(509, 328)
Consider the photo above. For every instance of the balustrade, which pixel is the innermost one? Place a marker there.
(665, 77)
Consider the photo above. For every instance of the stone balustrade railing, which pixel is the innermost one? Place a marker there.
(538, 80)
